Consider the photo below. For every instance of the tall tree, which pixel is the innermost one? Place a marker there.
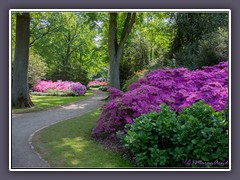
(20, 91)
(115, 48)
(70, 50)
(196, 39)
(190, 27)
(147, 44)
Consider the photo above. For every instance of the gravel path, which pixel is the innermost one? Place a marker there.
(26, 125)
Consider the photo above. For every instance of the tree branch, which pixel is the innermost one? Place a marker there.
(34, 40)
(126, 30)
(49, 31)
(13, 40)
(126, 24)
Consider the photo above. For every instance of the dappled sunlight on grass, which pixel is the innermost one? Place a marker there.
(69, 144)
(74, 143)
(45, 102)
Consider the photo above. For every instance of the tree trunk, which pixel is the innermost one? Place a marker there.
(112, 44)
(114, 73)
(20, 91)
(115, 49)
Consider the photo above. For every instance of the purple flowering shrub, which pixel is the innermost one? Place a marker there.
(114, 93)
(76, 87)
(176, 88)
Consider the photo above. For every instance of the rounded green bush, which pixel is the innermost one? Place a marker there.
(103, 88)
(168, 139)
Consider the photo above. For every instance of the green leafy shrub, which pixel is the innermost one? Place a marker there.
(103, 88)
(201, 134)
(213, 48)
(36, 69)
(133, 79)
(74, 73)
(188, 56)
(168, 139)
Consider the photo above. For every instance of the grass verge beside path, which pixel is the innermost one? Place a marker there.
(46, 102)
(69, 144)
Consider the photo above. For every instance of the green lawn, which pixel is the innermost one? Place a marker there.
(69, 144)
(46, 102)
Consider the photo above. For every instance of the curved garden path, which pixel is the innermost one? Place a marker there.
(25, 125)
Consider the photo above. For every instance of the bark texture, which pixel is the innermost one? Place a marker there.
(115, 48)
(20, 90)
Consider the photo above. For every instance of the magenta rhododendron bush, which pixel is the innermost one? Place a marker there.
(177, 88)
(75, 87)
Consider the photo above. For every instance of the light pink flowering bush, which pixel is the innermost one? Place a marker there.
(176, 88)
(75, 87)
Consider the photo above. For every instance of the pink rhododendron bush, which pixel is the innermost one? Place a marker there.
(97, 84)
(177, 88)
(64, 86)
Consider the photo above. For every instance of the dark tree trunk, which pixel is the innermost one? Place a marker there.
(20, 91)
(112, 45)
(114, 74)
(115, 49)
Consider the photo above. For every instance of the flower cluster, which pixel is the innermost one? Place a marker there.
(114, 93)
(75, 87)
(97, 84)
(178, 88)
(78, 88)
